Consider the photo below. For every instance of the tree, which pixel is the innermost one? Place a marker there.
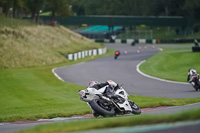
(78, 7)
(11, 6)
(192, 9)
(6, 4)
(34, 6)
(17, 4)
(58, 7)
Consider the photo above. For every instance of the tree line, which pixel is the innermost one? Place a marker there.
(187, 8)
(33, 8)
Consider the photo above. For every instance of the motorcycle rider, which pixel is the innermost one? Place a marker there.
(191, 74)
(95, 84)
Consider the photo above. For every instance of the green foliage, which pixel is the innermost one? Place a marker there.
(138, 7)
(59, 7)
(192, 9)
(188, 8)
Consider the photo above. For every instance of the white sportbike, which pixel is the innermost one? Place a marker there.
(107, 102)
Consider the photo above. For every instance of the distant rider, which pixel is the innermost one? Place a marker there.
(191, 74)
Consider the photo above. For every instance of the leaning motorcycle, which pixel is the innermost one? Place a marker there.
(108, 102)
(196, 80)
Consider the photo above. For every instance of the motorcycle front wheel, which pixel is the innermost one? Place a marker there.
(100, 108)
(135, 108)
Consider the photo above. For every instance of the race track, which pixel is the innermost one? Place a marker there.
(123, 71)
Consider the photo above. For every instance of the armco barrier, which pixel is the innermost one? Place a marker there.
(126, 41)
(86, 53)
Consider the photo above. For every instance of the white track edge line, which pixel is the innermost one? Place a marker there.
(164, 80)
(53, 71)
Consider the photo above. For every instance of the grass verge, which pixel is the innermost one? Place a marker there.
(82, 125)
(149, 102)
(33, 93)
(172, 64)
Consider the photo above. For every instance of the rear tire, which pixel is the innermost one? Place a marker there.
(98, 107)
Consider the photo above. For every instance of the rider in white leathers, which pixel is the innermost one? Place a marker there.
(191, 74)
(97, 85)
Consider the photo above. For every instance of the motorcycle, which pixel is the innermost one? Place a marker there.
(196, 80)
(117, 53)
(109, 102)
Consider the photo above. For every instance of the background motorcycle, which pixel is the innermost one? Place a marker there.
(107, 102)
(197, 82)
(117, 53)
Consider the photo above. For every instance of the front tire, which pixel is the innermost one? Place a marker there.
(99, 108)
(135, 108)
(196, 87)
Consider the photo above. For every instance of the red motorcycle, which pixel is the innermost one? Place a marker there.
(117, 53)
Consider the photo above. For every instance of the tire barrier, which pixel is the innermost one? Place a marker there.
(86, 53)
(195, 49)
(126, 41)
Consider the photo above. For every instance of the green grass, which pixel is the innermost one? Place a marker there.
(172, 64)
(33, 93)
(83, 125)
(13, 22)
(150, 102)
(45, 14)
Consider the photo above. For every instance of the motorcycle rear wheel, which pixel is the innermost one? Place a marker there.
(102, 110)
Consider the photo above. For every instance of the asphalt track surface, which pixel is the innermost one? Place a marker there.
(123, 71)
(179, 127)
